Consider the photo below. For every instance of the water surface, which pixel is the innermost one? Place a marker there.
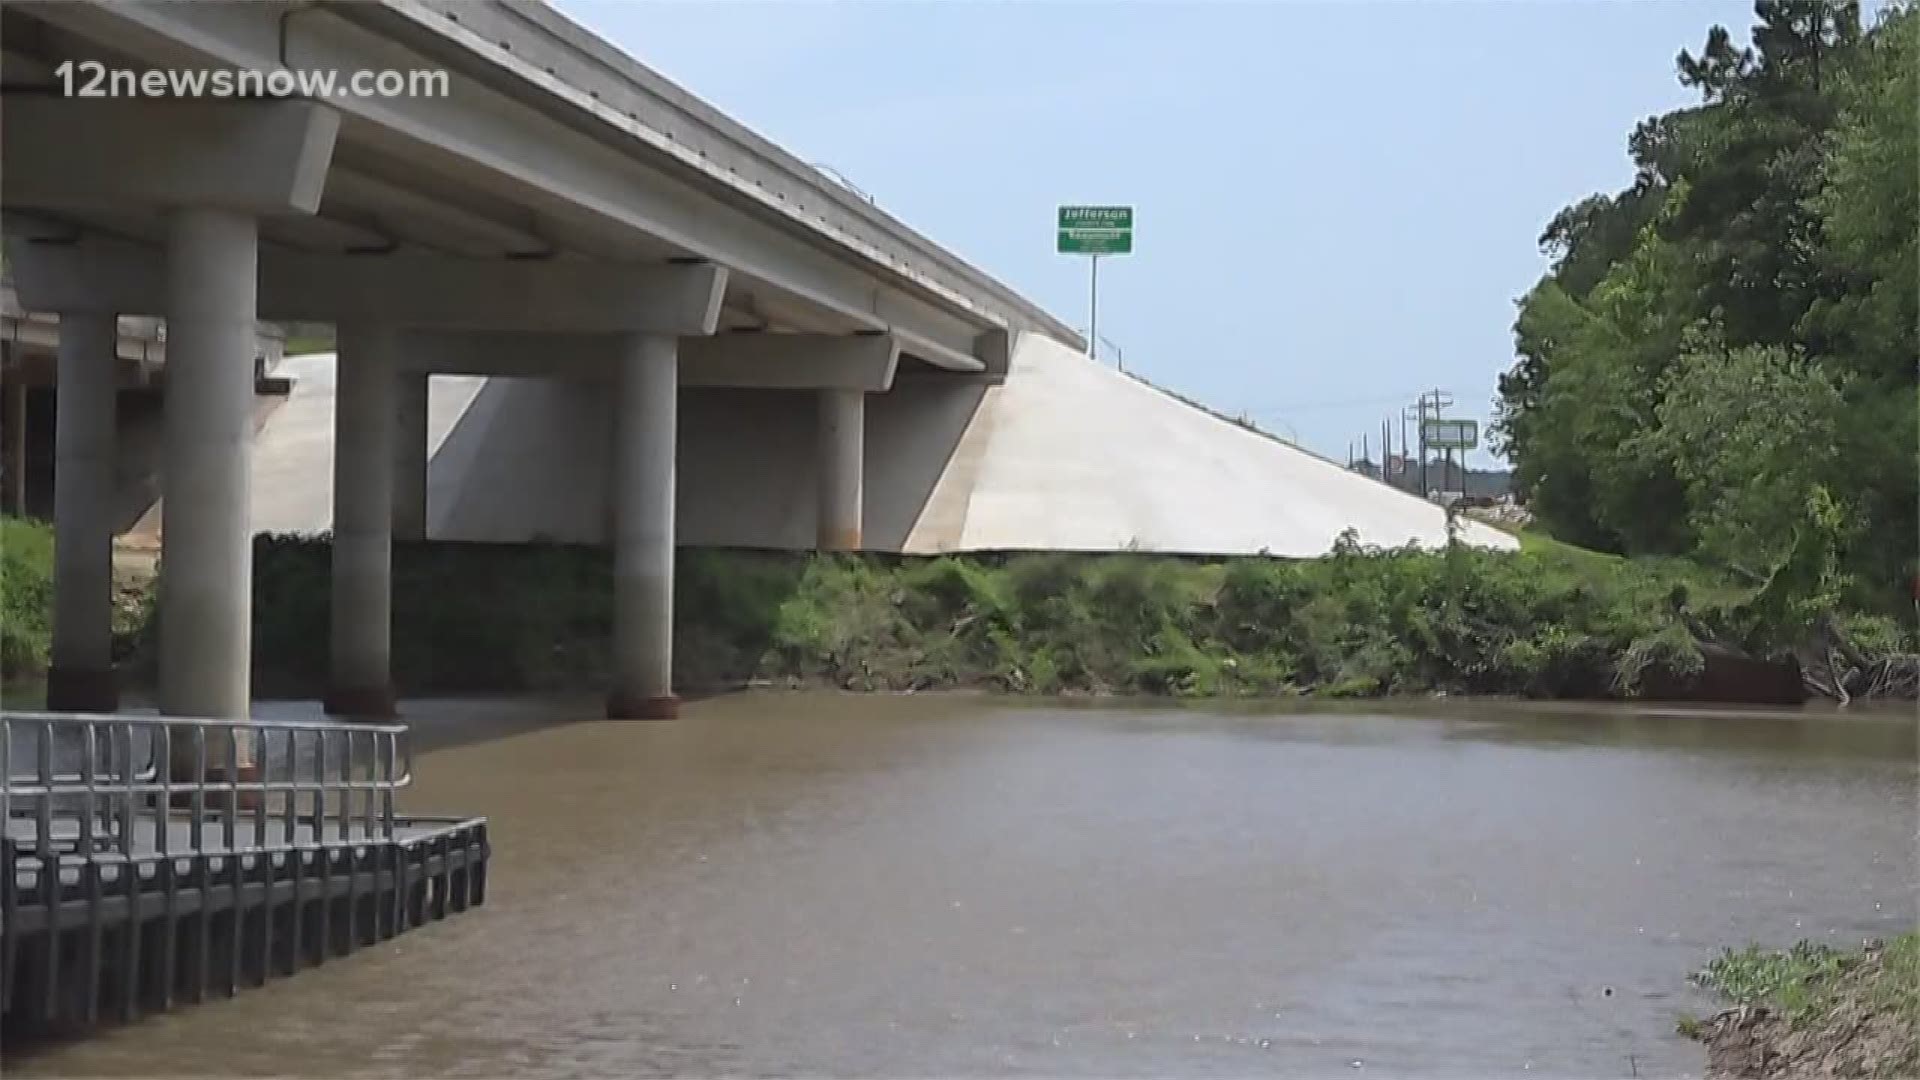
(941, 886)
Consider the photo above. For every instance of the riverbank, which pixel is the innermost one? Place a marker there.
(1550, 621)
(1814, 1012)
(474, 617)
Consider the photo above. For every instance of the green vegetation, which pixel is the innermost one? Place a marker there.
(1734, 335)
(305, 337)
(1811, 1004)
(26, 611)
(1359, 622)
(26, 597)
(1797, 981)
(1551, 620)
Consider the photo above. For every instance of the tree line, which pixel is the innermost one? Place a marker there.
(1721, 360)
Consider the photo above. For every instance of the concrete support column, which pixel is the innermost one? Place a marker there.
(206, 553)
(842, 467)
(81, 677)
(363, 470)
(410, 457)
(645, 407)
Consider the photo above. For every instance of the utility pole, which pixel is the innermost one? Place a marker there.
(1406, 443)
(1436, 400)
(1422, 406)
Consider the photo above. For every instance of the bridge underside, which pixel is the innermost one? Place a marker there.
(558, 210)
(685, 335)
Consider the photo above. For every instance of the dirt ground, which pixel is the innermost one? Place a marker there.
(1860, 1033)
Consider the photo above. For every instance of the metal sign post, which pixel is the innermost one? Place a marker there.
(1442, 434)
(1093, 303)
(1094, 231)
(1448, 436)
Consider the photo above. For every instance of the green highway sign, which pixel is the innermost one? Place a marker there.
(1450, 434)
(1095, 230)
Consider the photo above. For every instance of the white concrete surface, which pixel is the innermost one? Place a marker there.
(1085, 458)
(293, 455)
(1065, 454)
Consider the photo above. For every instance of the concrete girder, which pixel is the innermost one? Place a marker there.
(255, 157)
(546, 157)
(354, 187)
(542, 46)
(864, 362)
(395, 289)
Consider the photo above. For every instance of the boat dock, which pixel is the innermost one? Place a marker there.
(126, 889)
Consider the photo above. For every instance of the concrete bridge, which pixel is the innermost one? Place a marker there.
(657, 315)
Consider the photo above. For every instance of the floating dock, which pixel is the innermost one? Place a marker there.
(125, 889)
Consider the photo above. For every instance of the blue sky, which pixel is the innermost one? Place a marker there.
(1337, 202)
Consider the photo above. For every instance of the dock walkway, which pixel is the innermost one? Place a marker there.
(124, 890)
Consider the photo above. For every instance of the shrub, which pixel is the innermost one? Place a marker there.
(26, 596)
(471, 617)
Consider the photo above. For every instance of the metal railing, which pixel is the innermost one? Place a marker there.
(109, 820)
(110, 775)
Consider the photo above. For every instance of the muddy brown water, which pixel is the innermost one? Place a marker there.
(952, 886)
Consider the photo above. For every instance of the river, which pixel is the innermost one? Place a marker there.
(963, 886)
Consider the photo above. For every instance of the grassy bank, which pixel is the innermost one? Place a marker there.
(1548, 621)
(485, 617)
(1811, 1011)
(26, 598)
(26, 612)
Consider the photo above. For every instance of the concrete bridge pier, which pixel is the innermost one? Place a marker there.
(206, 551)
(81, 676)
(645, 404)
(365, 419)
(843, 415)
(410, 457)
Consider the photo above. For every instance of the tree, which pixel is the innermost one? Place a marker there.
(1739, 329)
(1744, 430)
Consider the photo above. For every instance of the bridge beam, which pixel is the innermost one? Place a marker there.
(864, 362)
(397, 289)
(254, 157)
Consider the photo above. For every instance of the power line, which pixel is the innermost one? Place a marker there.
(1339, 404)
